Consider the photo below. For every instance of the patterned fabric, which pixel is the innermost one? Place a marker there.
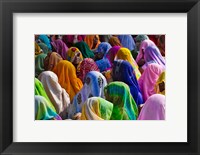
(93, 86)
(67, 78)
(125, 54)
(123, 71)
(127, 41)
(86, 66)
(57, 95)
(148, 80)
(60, 47)
(125, 107)
(46, 40)
(44, 48)
(39, 64)
(114, 41)
(72, 53)
(103, 47)
(89, 39)
(39, 90)
(160, 83)
(96, 108)
(85, 50)
(43, 110)
(154, 108)
(51, 60)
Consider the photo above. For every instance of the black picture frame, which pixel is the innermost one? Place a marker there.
(8, 7)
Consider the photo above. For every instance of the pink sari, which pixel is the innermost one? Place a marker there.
(60, 47)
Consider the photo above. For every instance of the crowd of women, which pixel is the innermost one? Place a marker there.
(100, 77)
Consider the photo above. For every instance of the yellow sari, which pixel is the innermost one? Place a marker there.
(160, 81)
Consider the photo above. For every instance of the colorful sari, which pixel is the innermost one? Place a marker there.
(57, 95)
(111, 54)
(103, 47)
(51, 60)
(39, 90)
(67, 78)
(125, 107)
(114, 41)
(38, 50)
(60, 47)
(96, 108)
(125, 54)
(148, 80)
(123, 71)
(85, 50)
(127, 41)
(46, 40)
(160, 83)
(93, 86)
(39, 64)
(43, 110)
(86, 66)
(154, 108)
(44, 48)
(89, 39)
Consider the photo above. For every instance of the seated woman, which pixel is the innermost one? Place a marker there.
(60, 47)
(148, 80)
(127, 41)
(93, 86)
(86, 66)
(43, 110)
(125, 54)
(138, 40)
(154, 108)
(51, 61)
(45, 39)
(75, 57)
(114, 41)
(96, 108)
(38, 50)
(67, 78)
(123, 71)
(124, 106)
(39, 64)
(160, 84)
(93, 41)
(102, 50)
(57, 95)
(85, 50)
(44, 48)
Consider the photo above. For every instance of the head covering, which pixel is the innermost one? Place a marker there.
(51, 60)
(89, 39)
(67, 78)
(127, 41)
(123, 71)
(154, 108)
(44, 47)
(38, 50)
(148, 80)
(152, 55)
(143, 46)
(85, 50)
(96, 108)
(160, 81)
(43, 110)
(112, 53)
(72, 52)
(39, 90)
(141, 38)
(58, 96)
(93, 86)
(125, 54)
(46, 40)
(103, 48)
(60, 47)
(39, 64)
(103, 64)
(86, 66)
(114, 41)
(125, 107)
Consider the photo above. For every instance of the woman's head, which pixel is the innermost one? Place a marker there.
(74, 56)
(51, 60)
(102, 50)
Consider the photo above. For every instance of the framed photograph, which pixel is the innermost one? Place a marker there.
(24, 26)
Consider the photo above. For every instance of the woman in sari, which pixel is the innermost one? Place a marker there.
(123, 71)
(51, 61)
(154, 108)
(93, 41)
(43, 110)
(124, 106)
(86, 66)
(60, 47)
(160, 84)
(67, 78)
(114, 41)
(44, 48)
(148, 80)
(39, 64)
(57, 95)
(125, 54)
(75, 57)
(45, 39)
(127, 41)
(38, 50)
(93, 86)
(138, 40)
(85, 50)
(96, 108)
